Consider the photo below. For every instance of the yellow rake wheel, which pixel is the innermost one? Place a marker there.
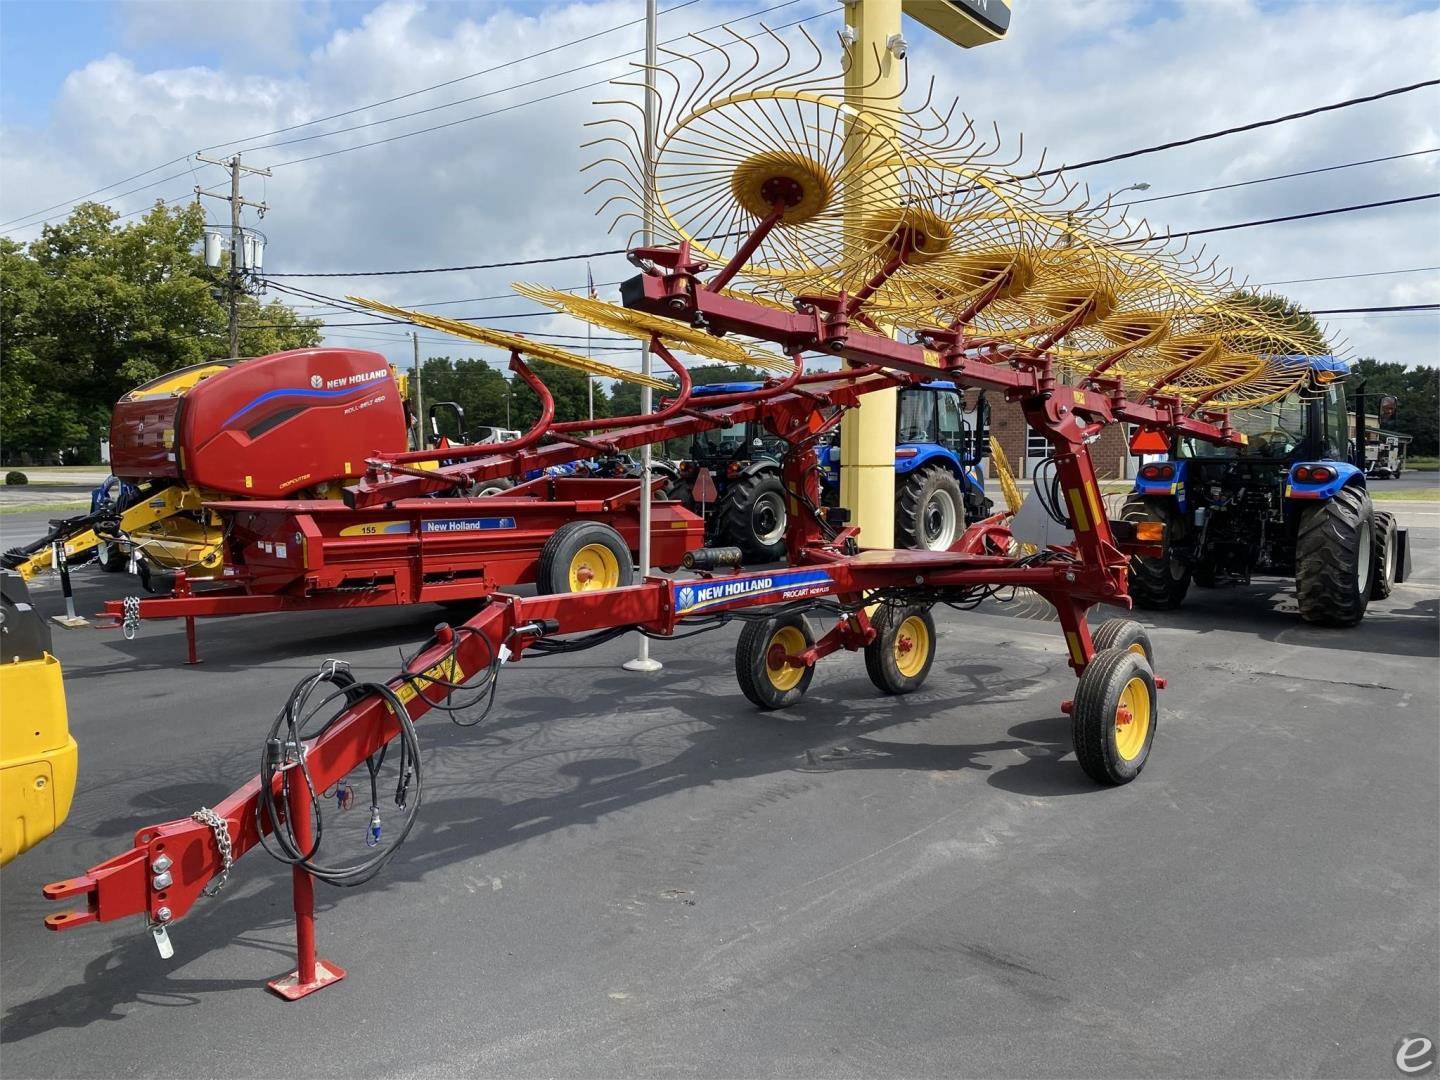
(899, 659)
(764, 660)
(1113, 718)
(1125, 634)
(584, 556)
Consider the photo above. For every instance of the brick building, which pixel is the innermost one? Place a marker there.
(1110, 452)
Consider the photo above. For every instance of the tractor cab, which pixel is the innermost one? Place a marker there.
(1290, 501)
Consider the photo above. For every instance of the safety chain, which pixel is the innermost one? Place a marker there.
(206, 816)
(131, 624)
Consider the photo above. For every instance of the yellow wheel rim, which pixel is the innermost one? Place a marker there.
(1132, 719)
(912, 646)
(787, 641)
(594, 567)
(1139, 650)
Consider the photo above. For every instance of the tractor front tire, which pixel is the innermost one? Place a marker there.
(764, 676)
(899, 659)
(1114, 715)
(1387, 556)
(1334, 558)
(1157, 584)
(929, 510)
(584, 556)
(754, 517)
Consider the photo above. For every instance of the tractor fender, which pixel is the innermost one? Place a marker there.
(1345, 475)
(910, 457)
(760, 465)
(1171, 487)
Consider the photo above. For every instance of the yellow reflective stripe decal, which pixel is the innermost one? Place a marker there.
(1072, 640)
(447, 670)
(1078, 516)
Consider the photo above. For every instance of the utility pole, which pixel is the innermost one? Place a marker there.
(642, 660)
(419, 395)
(238, 267)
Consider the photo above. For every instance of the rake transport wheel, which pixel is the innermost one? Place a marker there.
(113, 558)
(754, 517)
(898, 660)
(930, 510)
(1334, 558)
(1112, 722)
(489, 488)
(760, 660)
(1124, 634)
(1157, 583)
(584, 556)
(1387, 555)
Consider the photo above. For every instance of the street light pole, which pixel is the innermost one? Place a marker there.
(642, 660)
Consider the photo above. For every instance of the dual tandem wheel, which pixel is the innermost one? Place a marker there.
(1112, 719)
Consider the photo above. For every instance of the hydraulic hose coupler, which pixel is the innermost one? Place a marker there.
(711, 558)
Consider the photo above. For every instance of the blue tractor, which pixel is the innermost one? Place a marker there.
(939, 486)
(1291, 502)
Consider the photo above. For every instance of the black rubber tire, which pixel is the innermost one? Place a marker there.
(485, 489)
(1124, 634)
(881, 663)
(1387, 554)
(913, 503)
(1157, 584)
(111, 557)
(1332, 562)
(553, 573)
(1203, 574)
(1093, 720)
(747, 509)
(752, 670)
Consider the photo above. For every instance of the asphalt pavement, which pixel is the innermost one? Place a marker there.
(630, 875)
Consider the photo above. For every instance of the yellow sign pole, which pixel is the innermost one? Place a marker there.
(867, 434)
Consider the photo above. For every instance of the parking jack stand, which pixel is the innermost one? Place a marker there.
(312, 973)
(62, 563)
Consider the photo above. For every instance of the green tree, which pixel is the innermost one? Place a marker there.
(93, 308)
(1417, 399)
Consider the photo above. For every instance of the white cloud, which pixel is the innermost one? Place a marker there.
(1086, 79)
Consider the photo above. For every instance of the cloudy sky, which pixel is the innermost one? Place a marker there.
(92, 94)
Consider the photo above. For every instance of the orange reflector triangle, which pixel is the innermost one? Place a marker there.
(1149, 441)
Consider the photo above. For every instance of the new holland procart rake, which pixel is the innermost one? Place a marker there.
(912, 227)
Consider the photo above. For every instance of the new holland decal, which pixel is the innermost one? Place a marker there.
(451, 525)
(693, 596)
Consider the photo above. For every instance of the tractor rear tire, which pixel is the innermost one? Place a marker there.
(1334, 558)
(755, 517)
(929, 510)
(899, 659)
(1113, 717)
(584, 556)
(1157, 584)
(768, 685)
(1124, 634)
(1387, 556)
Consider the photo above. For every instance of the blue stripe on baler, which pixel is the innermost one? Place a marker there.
(298, 392)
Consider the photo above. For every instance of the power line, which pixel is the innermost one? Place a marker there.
(346, 112)
(510, 86)
(1281, 176)
(621, 251)
(441, 85)
(529, 101)
(1344, 277)
(1287, 217)
(1368, 310)
(1236, 130)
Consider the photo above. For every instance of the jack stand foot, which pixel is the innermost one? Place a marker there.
(71, 622)
(291, 988)
(642, 665)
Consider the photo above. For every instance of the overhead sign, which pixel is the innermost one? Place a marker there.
(966, 23)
